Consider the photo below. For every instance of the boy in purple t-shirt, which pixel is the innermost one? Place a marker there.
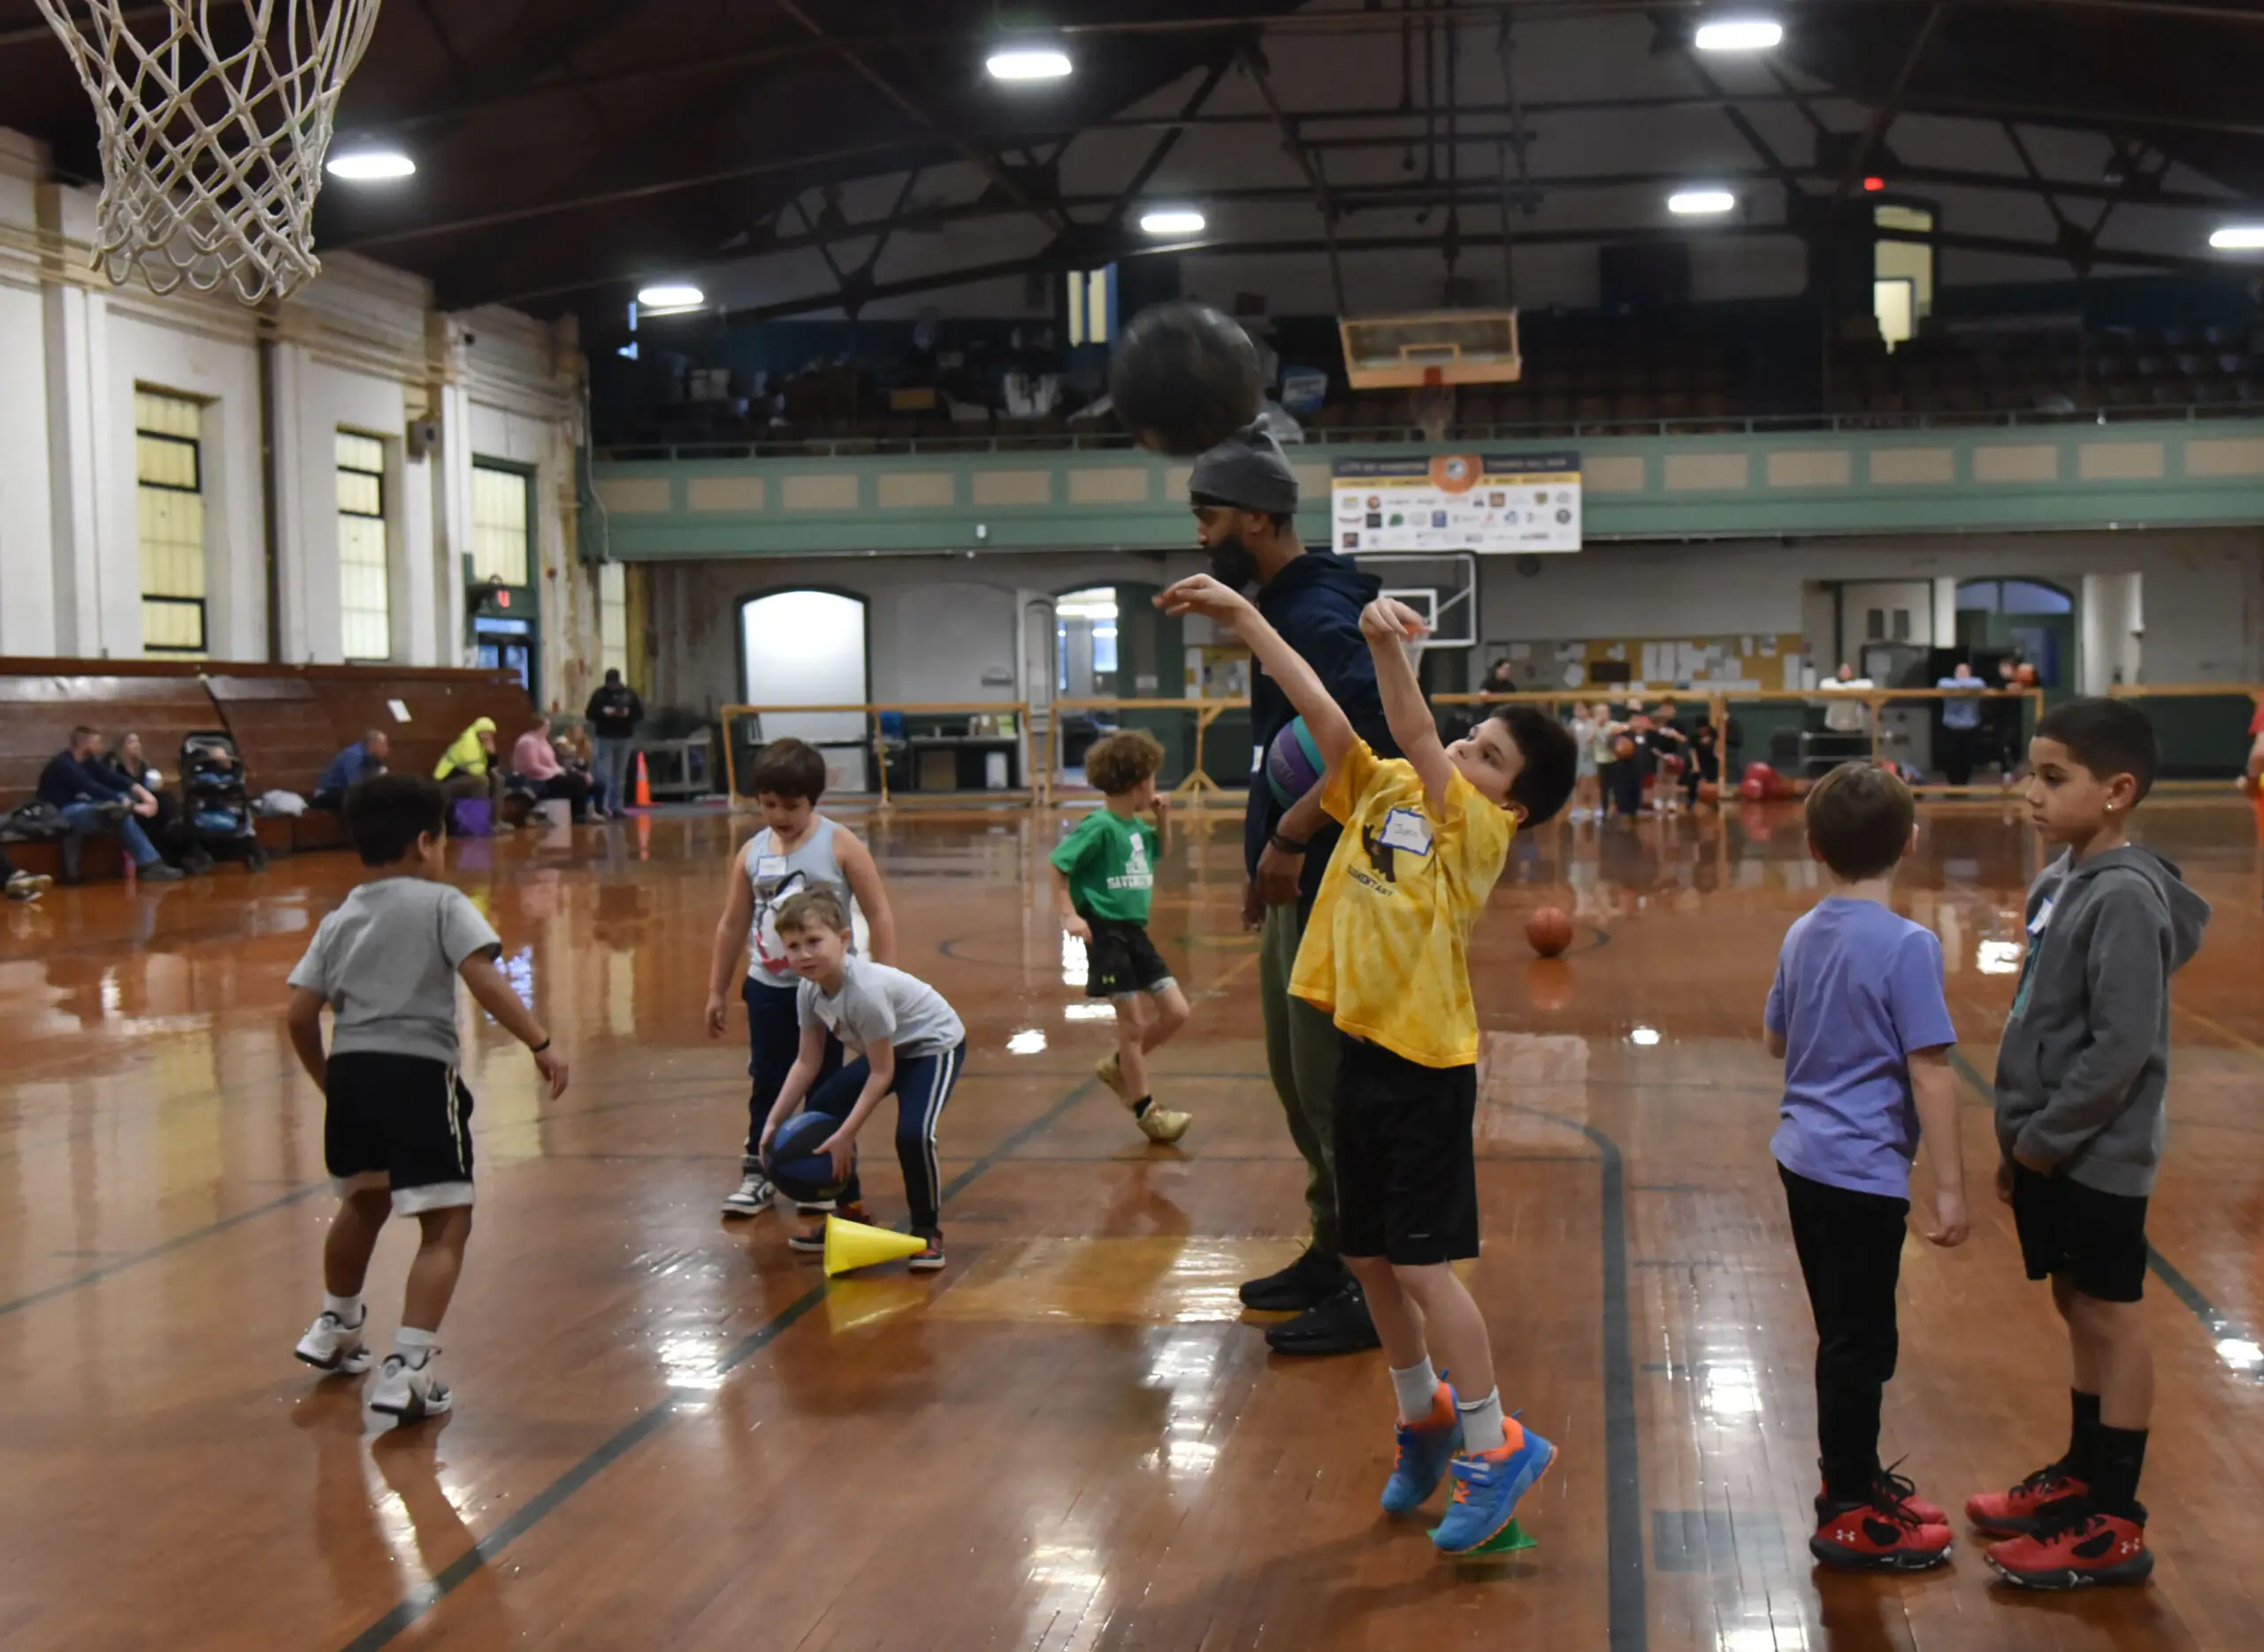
(1858, 1016)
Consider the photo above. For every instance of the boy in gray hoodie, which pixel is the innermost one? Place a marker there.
(2082, 1075)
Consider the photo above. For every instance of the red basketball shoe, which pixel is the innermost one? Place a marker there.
(2014, 1513)
(2073, 1547)
(1881, 1535)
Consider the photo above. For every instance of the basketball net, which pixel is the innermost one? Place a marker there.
(1433, 406)
(215, 121)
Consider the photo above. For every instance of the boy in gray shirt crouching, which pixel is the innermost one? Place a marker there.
(396, 1118)
(904, 1040)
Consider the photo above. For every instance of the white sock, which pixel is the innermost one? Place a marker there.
(1481, 1423)
(1417, 1389)
(349, 1310)
(415, 1347)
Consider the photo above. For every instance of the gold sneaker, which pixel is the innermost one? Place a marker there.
(1110, 1070)
(1161, 1125)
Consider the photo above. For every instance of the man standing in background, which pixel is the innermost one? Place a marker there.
(1960, 724)
(1244, 496)
(614, 713)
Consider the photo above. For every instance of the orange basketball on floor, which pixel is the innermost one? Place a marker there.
(1549, 931)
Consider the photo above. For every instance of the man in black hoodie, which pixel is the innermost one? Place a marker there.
(1246, 499)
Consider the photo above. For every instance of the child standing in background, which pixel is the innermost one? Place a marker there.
(1104, 879)
(1858, 1016)
(798, 850)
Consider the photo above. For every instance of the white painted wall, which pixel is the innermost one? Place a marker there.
(938, 621)
(361, 349)
(2204, 589)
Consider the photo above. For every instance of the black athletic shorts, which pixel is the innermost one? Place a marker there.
(1406, 1171)
(1122, 961)
(2095, 1240)
(398, 1121)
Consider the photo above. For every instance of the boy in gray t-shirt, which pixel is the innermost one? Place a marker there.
(396, 1118)
(904, 1038)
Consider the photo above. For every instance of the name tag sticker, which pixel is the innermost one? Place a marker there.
(1405, 828)
(770, 866)
(1257, 758)
(2042, 919)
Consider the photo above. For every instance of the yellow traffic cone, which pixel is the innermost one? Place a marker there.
(853, 1245)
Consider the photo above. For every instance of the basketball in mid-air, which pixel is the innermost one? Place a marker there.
(1622, 748)
(1185, 378)
(1549, 931)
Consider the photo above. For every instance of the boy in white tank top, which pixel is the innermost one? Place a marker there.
(798, 849)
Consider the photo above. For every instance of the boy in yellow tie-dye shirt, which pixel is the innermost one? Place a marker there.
(1386, 955)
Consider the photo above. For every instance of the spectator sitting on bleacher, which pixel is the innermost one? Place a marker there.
(359, 762)
(532, 760)
(78, 785)
(131, 770)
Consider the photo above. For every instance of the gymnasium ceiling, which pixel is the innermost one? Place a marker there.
(793, 154)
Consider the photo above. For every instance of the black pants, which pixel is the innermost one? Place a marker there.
(1626, 781)
(573, 788)
(774, 1038)
(1850, 1247)
(1957, 754)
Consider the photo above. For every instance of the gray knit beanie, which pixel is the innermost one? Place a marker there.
(1247, 471)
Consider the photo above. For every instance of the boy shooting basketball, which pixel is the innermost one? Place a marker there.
(1384, 955)
(1104, 876)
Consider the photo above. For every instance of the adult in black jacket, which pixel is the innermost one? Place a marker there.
(613, 713)
(1245, 498)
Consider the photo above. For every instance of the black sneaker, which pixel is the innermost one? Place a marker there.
(158, 872)
(1307, 1282)
(1339, 1325)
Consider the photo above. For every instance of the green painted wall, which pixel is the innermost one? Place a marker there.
(2065, 477)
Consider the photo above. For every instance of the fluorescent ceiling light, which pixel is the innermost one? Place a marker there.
(1700, 202)
(671, 295)
(363, 166)
(1029, 63)
(1172, 221)
(1740, 33)
(2238, 237)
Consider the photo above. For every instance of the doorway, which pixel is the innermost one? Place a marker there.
(807, 648)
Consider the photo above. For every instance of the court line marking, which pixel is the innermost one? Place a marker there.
(1627, 1605)
(2221, 1326)
(47, 1293)
(443, 1583)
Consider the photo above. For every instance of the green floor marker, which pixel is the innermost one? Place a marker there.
(1508, 1541)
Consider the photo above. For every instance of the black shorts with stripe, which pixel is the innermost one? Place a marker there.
(401, 1122)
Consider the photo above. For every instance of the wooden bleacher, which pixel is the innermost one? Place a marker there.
(289, 721)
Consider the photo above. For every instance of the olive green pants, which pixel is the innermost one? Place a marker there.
(1301, 1053)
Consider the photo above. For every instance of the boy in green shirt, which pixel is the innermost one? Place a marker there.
(1104, 873)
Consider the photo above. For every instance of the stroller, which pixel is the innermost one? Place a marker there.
(216, 817)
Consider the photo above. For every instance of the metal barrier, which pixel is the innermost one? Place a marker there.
(881, 746)
(1193, 783)
(2204, 731)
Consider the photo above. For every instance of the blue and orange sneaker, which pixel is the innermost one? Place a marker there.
(1425, 1449)
(1488, 1486)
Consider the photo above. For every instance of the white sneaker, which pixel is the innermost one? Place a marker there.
(410, 1392)
(331, 1344)
(752, 1196)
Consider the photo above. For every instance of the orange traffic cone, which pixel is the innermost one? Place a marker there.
(644, 784)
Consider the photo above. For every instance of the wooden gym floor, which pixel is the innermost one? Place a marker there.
(671, 1434)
